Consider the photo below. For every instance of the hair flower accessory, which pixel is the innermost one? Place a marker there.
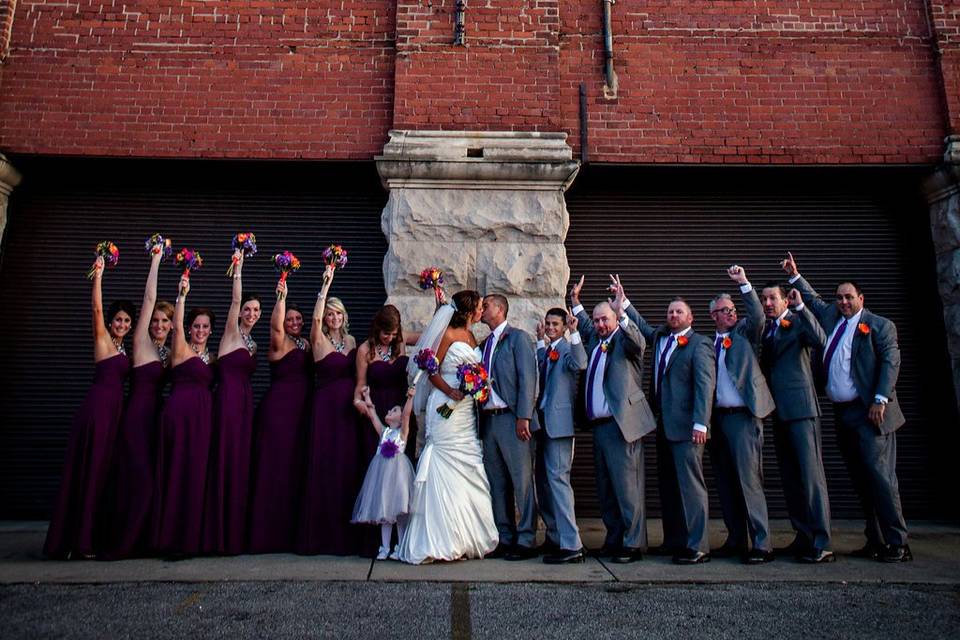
(726, 342)
(864, 328)
(682, 341)
(110, 254)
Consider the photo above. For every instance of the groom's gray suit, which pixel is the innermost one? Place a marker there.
(508, 460)
(558, 392)
(617, 444)
(870, 451)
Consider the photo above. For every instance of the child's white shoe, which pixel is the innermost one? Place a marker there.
(383, 553)
(395, 554)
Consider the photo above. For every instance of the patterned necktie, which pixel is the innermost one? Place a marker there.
(828, 356)
(667, 343)
(590, 380)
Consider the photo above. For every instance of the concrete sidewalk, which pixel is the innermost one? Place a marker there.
(936, 549)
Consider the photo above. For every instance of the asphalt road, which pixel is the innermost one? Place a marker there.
(413, 610)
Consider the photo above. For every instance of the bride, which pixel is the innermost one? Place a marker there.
(451, 516)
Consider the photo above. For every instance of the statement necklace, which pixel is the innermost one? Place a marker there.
(205, 355)
(299, 342)
(384, 357)
(119, 345)
(164, 352)
(249, 342)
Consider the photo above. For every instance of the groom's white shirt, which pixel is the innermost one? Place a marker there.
(495, 401)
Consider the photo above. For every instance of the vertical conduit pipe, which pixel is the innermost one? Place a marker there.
(610, 88)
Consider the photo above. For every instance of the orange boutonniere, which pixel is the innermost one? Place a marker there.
(863, 328)
(785, 324)
(727, 342)
(682, 341)
(554, 355)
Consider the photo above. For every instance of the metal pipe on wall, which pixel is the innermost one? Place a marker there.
(610, 87)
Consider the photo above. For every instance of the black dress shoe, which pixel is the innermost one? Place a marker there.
(818, 556)
(661, 550)
(758, 556)
(501, 551)
(521, 553)
(729, 551)
(691, 556)
(896, 553)
(798, 548)
(870, 551)
(605, 551)
(564, 556)
(548, 547)
(627, 555)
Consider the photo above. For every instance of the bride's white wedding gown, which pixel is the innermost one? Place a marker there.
(451, 516)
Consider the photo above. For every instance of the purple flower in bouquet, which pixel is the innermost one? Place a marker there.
(158, 244)
(246, 243)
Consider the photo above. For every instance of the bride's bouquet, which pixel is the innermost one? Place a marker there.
(474, 383)
(427, 363)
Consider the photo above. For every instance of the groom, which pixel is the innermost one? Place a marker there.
(507, 421)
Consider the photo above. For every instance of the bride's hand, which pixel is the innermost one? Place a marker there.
(456, 395)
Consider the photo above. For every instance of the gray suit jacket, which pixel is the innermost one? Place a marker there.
(689, 381)
(560, 388)
(622, 378)
(875, 356)
(514, 375)
(741, 358)
(788, 367)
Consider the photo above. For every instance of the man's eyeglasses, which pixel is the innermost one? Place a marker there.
(726, 310)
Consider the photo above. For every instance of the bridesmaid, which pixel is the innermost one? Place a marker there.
(138, 429)
(334, 470)
(78, 523)
(382, 365)
(228, 485)
(183, 449)
(277, 467)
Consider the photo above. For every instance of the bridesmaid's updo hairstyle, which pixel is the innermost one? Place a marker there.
(165, 308)
(465, 302)
(386, 320)
(201, 311)
(118, 306)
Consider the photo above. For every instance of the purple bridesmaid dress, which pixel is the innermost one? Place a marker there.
(228, 483)
(388, 389)
(136, 451)
(183, 455)
(77, 525)
(334, 470)
(278, 455)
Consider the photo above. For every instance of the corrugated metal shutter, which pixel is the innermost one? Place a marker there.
(65, 206)
(674, 231)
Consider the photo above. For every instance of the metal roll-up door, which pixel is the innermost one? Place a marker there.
(65, 206)
(673, 232)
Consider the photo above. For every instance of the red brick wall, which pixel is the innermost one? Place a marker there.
(190, 78)
(701, 81)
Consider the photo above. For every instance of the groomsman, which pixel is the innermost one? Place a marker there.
(619, 415)
(860, 367)
(742, 402)
(560, 363)
(683, 382)
(790, 335)
(507, 421)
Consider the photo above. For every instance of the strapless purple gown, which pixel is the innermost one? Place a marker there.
(136, 451)
(228, 483)
(278, 455)
(77, 526)
(388, 389)
(183, 454)
(334, 470)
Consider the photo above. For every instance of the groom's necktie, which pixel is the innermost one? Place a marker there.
(488, 353)
(828, 356)
(662, 364)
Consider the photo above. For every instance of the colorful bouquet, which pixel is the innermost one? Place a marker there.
(432, 278)
(334, 256)
(285, 263)
(474, 382)
(426, 361)
(246, 243)
(188, 260)
(110, 254)
(158, 244)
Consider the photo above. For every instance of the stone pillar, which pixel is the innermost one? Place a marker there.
(943, 195)
(487, 208)
(9, 178)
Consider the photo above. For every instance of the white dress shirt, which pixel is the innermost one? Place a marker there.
(673, 347)
(840, 387)
(728, 396)
(495, 401)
